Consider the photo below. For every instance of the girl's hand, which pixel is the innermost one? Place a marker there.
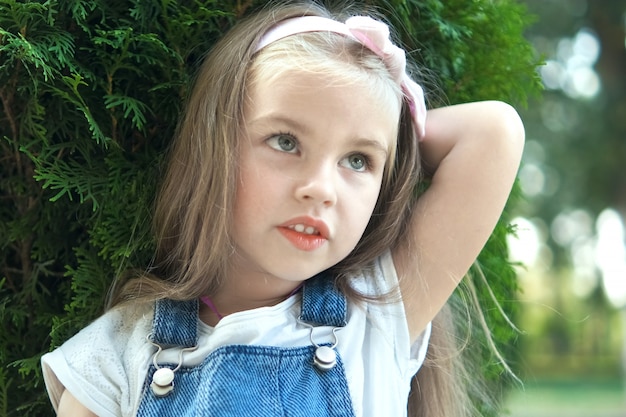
(472, 151)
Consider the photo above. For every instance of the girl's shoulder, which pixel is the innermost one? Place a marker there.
(124, 324)
(101, 363)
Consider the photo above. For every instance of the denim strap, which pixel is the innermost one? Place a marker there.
(175, 323)
(322, 303)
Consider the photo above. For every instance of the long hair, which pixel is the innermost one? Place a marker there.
(193, 212)
(192, 218)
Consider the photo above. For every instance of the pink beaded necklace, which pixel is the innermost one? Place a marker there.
(206, 300)
(209, 303)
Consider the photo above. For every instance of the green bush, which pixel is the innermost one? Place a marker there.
(91, 92)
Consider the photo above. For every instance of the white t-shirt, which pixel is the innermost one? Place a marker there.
(104, 366)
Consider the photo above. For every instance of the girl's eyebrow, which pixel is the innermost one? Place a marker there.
(376, 145)
(280, 119)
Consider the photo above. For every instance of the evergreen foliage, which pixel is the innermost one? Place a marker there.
(91, 92)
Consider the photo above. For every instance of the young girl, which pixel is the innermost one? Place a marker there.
(297, 274)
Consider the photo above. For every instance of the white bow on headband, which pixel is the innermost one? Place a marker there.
(374, 35)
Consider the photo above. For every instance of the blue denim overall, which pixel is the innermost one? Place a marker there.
(245, 380)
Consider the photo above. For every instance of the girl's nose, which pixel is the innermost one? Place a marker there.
(318, 185)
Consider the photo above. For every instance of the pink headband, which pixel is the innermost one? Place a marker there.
(374, 35)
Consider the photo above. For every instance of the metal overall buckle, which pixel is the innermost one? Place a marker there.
(163, 378)
(325, 357)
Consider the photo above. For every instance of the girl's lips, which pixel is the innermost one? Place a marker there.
(302, 241)
(305, 233)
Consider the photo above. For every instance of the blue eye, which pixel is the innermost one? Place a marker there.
(283, 142)
(357, 162)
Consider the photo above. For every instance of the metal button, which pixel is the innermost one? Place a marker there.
(162, 382)
(325, 358)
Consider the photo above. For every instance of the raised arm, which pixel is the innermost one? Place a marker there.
(473, 152)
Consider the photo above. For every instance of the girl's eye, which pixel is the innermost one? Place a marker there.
(283, 142)
(357, 162)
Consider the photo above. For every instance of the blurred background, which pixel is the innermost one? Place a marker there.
(571, 235)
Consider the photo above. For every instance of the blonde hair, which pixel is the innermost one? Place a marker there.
(193, 210)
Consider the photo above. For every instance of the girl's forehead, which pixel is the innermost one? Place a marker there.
(307, 85)
(382, 90)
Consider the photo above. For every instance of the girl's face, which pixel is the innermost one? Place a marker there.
(310, 169)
